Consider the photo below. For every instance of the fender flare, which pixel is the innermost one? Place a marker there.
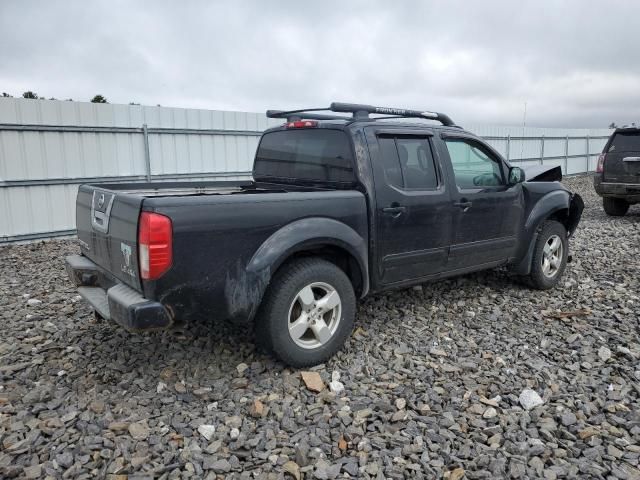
(307, 233)
(549, 204)
(296, 237)
(546, 206)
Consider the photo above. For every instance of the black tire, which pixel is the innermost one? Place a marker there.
(538, 279)
(616, 207)
(273, 319)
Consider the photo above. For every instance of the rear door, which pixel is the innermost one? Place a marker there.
(107, 224)
(622, 163)
(413, 208)
(488, 213)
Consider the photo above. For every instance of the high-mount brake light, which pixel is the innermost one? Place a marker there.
(155, 248)
(301, 124)
(600, 165)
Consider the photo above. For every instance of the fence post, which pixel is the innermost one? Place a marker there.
(508, 147)
(147, 155)
(566, 155)
(542, 150)
(588, 153)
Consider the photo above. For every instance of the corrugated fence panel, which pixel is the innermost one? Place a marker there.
(37, 210)
(76, 142)
(575, 150)
(185, 153)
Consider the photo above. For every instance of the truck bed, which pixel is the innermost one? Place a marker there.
(217, 229)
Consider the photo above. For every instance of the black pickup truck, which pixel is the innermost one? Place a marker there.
(340, 206)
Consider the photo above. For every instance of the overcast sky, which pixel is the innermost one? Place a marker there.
(576, 63)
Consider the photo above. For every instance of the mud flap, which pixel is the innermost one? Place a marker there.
(576, 206)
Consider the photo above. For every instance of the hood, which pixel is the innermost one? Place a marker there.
(542, 173)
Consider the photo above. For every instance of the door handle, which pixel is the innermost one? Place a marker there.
(395, 212)
(463, 204)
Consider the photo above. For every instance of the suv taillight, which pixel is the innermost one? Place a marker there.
(600, 165)
(155, 249)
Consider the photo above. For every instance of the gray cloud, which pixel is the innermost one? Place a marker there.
(573, 62)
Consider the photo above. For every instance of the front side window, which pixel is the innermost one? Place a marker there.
(408, 162)
(473, 165)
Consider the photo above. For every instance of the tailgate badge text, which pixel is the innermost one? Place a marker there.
(126, 254)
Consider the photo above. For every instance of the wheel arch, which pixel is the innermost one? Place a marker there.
(559, 205)
(553, 204)
(314, 236)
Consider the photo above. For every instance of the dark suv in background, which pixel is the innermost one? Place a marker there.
(618, 172)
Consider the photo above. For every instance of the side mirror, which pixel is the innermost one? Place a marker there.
(516, 175)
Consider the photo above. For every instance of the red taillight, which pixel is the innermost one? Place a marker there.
(600, 165)
(155, 250)
(301, 124)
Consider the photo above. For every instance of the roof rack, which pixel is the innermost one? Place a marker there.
(358, 112)
(295, 115)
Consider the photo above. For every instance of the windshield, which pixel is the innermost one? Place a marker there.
(317, 154)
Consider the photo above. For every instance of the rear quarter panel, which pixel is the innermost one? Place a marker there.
(216, 239)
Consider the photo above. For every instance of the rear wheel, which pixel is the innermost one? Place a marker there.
(549, 256)
(616, 207)
(308, 312)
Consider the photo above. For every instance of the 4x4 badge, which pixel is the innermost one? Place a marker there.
(126, 254)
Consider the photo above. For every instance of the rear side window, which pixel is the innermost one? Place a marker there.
(408, 162)
(625, 142)
(307, 154)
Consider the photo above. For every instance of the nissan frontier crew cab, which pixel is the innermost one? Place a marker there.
(342, 205)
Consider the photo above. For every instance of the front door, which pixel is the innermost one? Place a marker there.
(413, 208)
(487, 211)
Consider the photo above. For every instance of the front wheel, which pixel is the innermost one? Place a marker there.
(308, 312)
(616, 207)
(549, 256)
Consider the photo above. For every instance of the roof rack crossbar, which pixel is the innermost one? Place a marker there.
(363, 111)
(358, 112)
(294, 115)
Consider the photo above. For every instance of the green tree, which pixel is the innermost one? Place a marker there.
(99, 99)
(613, 125)
(30, 94)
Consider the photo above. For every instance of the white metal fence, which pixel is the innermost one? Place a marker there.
(48, 148)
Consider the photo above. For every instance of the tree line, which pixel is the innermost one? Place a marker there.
(33, 95)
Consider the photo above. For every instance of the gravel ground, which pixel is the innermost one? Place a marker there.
(475, 376)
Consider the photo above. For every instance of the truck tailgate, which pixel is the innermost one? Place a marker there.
(107, 223)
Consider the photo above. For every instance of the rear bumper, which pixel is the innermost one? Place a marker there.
(113, 300)
(627, 191)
